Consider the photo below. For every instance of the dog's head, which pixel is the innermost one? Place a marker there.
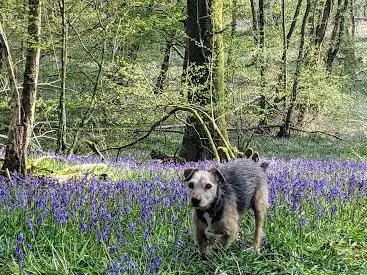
(202, 186)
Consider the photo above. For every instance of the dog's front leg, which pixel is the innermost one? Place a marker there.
(201, 240)
(228, 237)
(200, 237)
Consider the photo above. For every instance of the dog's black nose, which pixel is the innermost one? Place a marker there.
(195, 201)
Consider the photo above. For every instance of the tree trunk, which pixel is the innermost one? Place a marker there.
(1, 54)
(229, 65)
(159, 87)
(284, 130)
(348, 51)
(352, 18)
(23, 113)
(311, 17)
(219, 105)
(321, 28)
(337, 34)
(285, 49)
(61, 135)
(261, 36)
(205, 74)
(294, 21)
(14, 156)
(282, 78)
(184, 69)
(254, 21)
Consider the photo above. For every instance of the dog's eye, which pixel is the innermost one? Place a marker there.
(191, 185)
(208, 186)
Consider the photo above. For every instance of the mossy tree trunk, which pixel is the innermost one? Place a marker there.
(23, 106)
(205, 76)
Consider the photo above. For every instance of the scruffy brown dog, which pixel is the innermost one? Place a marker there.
(220, 197)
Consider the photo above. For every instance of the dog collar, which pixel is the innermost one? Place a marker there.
(215, 211)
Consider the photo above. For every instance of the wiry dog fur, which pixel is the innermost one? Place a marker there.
(220, 196)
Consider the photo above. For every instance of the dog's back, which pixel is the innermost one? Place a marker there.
(243, 177)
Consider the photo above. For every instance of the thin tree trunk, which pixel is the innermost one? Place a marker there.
(23, 113)
(321, 28)
(348, 50)
(337, 34)
(285, 48)
(285, 129)
(14, 156)
(352, 18)
(311, 18)
(254, 21)
(61, 135)
(159, 87)
(294, 21)
(184, 69)
(1, 55)
(263, 116)
(230, 69)
(281, 95)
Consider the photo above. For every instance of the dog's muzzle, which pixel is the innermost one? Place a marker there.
(195, 202)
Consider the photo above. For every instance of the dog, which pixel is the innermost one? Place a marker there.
(220, 196)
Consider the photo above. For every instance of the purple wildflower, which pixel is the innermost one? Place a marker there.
(20, 256)
(154, 264)
(20, 239)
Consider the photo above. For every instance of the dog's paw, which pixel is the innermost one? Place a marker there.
(254, 249)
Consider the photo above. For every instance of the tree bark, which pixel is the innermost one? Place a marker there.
(159, 87)
(284, 130)
(321, 28)
(336, 36)
(352, 18)
(61, 135)
(254, 21)
(229, 65)
(205, 75)
(14, 156)
(261, 23)
(294, 21)
(1, 54)
(311, 17)
(285, 49)
(23, 113)
(281, 95)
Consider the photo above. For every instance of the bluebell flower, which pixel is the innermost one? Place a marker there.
(20, 239)
(20, 256)
(154, 264)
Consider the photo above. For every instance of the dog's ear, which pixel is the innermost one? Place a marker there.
(255, 157)
(189, 172)
(264, 166)
(217, 174)
(248, 153)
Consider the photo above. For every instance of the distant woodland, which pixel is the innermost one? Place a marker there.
(100, 76)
